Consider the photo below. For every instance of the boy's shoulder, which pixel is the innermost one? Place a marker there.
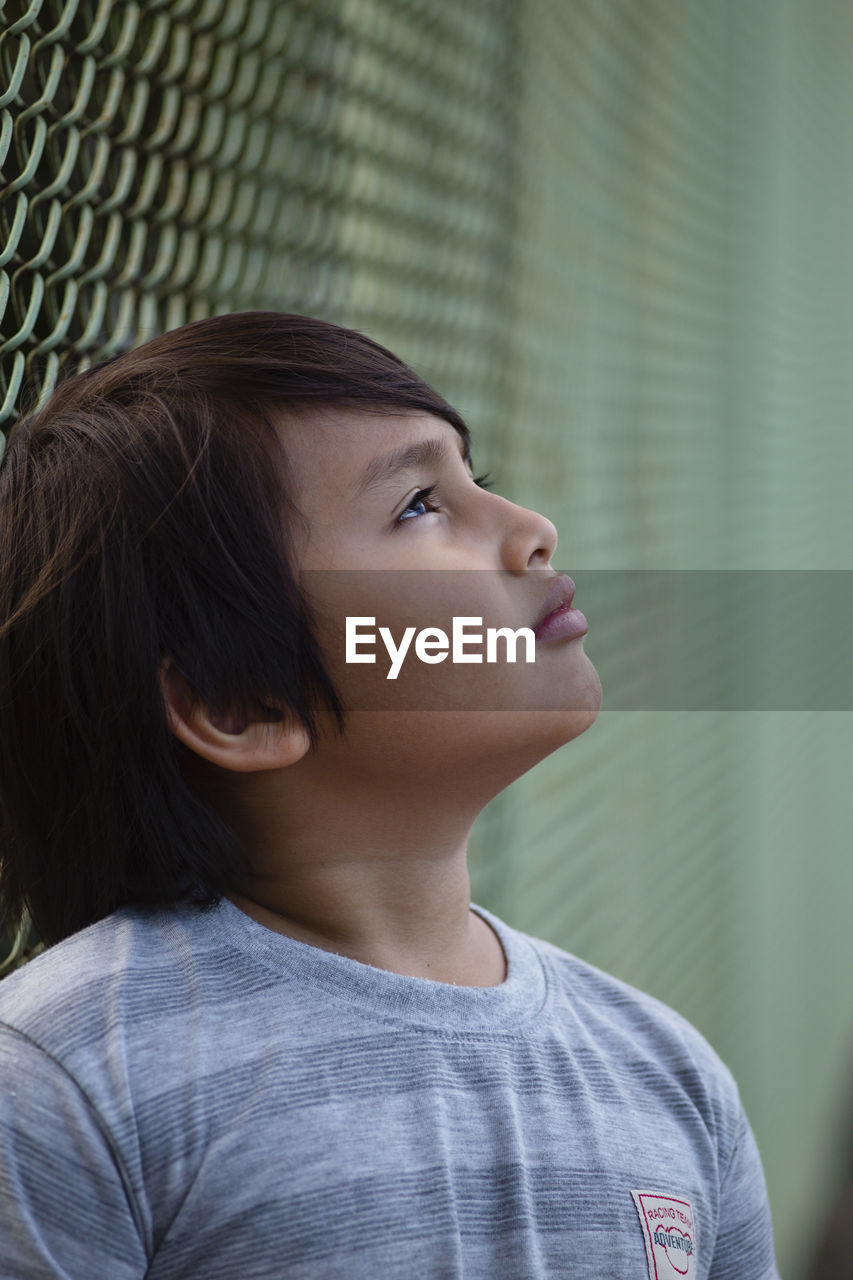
(102, 948)
(628, 1030)
(612, 999)
(136, 963)
(609, 1002)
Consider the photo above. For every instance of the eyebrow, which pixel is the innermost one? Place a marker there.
(426, 453)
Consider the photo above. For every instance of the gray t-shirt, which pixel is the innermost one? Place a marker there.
(190, 1095)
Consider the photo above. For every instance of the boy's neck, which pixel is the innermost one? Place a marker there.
(448, 943)
(368, 863)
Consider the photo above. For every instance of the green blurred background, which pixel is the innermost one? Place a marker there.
(618, 236)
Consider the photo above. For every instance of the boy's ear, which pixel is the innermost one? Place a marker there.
(269, 739)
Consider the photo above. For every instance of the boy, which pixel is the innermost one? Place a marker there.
(273, 1037)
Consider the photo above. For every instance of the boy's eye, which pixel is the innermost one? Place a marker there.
(423, 496)
(421, 499)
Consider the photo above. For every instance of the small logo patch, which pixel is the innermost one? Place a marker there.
(669, 1234)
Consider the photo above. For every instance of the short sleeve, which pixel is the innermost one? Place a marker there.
(744, 1246)
(65, 1208)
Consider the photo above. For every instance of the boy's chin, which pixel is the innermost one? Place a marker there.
(531, 736)
(497, 739)
(487, 745)
(504, 745)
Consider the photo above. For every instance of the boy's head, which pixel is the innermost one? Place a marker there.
(158, 517)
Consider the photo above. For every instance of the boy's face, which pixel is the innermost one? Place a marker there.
(367, 539)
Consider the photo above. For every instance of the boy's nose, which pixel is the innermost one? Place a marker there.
(530, 540)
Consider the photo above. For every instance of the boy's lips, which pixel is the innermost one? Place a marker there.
(558, 619)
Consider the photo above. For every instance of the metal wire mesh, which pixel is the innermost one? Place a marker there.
(181, 158)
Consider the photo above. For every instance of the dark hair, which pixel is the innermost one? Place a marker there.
(144, 515)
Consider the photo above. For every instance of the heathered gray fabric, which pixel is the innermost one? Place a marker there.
(190, 1096)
